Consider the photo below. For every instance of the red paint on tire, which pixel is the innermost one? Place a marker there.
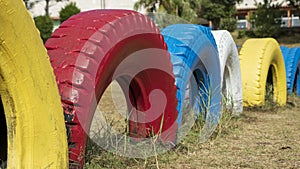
(86, 50)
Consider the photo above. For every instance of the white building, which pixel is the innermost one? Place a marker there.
(251, 4)
(83, 5)
(246, 7)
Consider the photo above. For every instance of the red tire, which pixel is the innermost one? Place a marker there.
(85, 52)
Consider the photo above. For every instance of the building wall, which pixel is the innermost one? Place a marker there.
(84, 5)
(120, 4)
(251, 4)
(244, 9)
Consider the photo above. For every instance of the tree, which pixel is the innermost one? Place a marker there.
(45, 25)
(150, 5)
(181, 8)
(30, 3)
(186, 9)
(293, 3)
(228, 24)
(266, 19)
(213, 12)
(217, 10)
(68, 11)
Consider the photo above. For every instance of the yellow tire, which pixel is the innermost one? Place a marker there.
(35, 131)
(258, 58)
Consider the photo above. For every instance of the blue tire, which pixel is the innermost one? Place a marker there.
(292, 65)
(196, 67)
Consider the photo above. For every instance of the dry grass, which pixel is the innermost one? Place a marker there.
(290, 45)
(284, 41)
(259, 138)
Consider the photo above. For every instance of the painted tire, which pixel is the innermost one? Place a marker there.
(194, 56)
(209, 34)
(36, 134)
(284, 52)
(262, 56)
(103, 39)
(230, 71)
(292, 66)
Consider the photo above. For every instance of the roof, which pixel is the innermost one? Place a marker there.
(251, 4)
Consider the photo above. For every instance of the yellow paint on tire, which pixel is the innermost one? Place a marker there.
(34, 116)
(256, 57)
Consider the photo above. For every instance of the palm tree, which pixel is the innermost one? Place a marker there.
(187, 9)
(29, 4)
(150, 5)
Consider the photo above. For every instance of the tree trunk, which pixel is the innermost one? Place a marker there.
(216, 24)
(47, 7)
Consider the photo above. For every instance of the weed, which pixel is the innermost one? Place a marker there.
(3, 164)
(231, 145)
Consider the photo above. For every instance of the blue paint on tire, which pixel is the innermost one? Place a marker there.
(210, 36)
(297, 84)
(195, 60)
(292, 65)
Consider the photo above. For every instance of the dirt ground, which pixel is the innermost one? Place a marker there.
(260, 138)
(257, 139)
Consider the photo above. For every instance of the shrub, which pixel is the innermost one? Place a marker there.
(68, 11)
(45, 25)
(266, 19)
(250, 33)
(241, 34)
(228, 24)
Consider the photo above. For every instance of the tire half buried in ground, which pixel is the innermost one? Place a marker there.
(292, 66)
(90, 50)
(36, 134)
(230, 71)
(260, 58)
(197, 73)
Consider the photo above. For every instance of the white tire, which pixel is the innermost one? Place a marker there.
(230, 71)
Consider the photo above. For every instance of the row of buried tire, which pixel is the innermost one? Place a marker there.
(127, 47)
(163, 75)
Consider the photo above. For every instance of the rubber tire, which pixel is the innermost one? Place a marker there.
(230, 71)
(35, 123)
(194, 54)
(256, 57)
(125, 32)
(292, 66)
(297, 81)
(208, 32)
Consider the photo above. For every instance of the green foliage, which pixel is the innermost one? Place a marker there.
(45, 25)
(148, 4)
(186, 9)
(214, 10)
(266, 19)
(68, 11)
(293, 3)
(245, 33)
(228, 24)
(241, 34)
(195, 10)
